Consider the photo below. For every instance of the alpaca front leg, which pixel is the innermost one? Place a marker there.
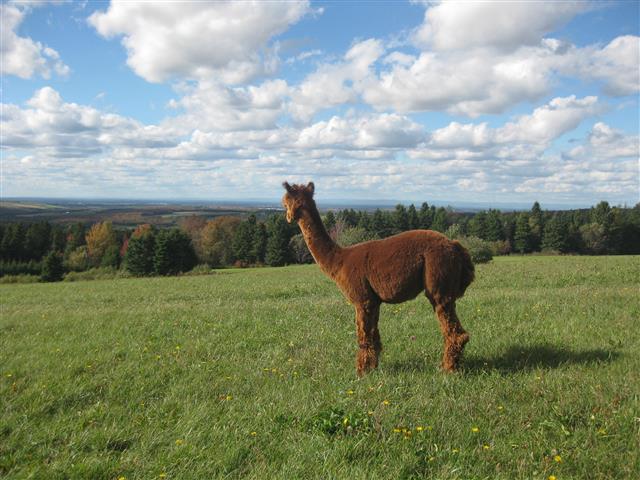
(369, 344)
(455, 337)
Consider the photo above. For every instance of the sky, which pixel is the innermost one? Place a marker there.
(492, 103)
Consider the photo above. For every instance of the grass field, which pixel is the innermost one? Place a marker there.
(250, 374)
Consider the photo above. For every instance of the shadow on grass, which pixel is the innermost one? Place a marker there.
(516, 359)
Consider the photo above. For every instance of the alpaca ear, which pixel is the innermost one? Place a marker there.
(288, 187)
(311, 188)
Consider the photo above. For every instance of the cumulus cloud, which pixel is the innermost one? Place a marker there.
(453, 25)
(22, 56)
(335, 83)
(226, 40)
(215, 106)
(70, 130)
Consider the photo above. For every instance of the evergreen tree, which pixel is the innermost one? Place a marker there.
(364, 221)
(277, 253)
(440, 222)
(412, 217)
(162, 254)
(329, 220)
(555, 234)
(111, 257)
(37, 240)
(139, 259)
(536, 224)
(13, 242)
(522, 234)
(400, 219)
(494, 230)
(425, 216)
(52, 268)
(259, 243)
(478, 225)
(379, 225)
(243, 240)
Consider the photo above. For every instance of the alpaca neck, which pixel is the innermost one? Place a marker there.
(320, 244)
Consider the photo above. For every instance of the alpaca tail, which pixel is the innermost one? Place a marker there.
(467, 270)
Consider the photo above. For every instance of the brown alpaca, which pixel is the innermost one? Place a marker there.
(392, 270)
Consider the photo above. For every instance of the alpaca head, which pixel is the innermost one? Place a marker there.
(297, 199)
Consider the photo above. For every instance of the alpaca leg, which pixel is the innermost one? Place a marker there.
(455, 337)
(368, 337)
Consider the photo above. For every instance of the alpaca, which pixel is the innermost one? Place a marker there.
(392, 270)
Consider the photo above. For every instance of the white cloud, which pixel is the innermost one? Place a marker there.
(214, 106)
(618, 65)
(335, 83)
(452, 25)
(226, 40)
(22, 56)
(550, 121)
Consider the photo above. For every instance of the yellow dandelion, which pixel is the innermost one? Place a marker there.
(475, 429)
(345, 422)
(122, 478)
(386, 402)
(179, 442)
(455, 450)
(349, 392)
(396, 430)
(486, 447)
(419, 429)
(163, 475)
(253, 434)
(557, 458)
(500, 407)
(370, 412)
(229, 397)
(552, 477)
(177, 347)
(602, 431)
(295, 374)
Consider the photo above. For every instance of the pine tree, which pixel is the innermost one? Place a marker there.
(400, 219)
(494, 229)
(139, 259)
(426, 216)
(536, 223)
(243, 240)
(555, 234)
(379, 225)
(440, 223)
(329, 220)
(277, 253)
(412, 216)
(52, 268)
(522, 234)
(162, 264)
(478, 225)
(259, 243)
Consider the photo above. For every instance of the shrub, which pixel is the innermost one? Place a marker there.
(480, 250)
(98, 273)
(20, 279)
(78, 259)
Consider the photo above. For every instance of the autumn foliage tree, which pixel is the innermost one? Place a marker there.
(101, 239)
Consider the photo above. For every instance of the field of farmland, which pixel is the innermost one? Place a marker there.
(250, 374)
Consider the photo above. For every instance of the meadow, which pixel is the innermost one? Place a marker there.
(250, 374)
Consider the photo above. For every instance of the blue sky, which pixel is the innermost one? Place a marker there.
(459, 102)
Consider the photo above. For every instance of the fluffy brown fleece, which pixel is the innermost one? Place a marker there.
(392, 270)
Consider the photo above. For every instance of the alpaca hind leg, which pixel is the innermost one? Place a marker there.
(455, 337)
(369, 344)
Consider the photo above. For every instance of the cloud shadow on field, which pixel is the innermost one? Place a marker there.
(525, 358)
(514, 359)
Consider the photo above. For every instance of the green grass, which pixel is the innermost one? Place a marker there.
(250, 374)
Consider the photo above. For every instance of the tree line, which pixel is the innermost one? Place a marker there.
(51, 250)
